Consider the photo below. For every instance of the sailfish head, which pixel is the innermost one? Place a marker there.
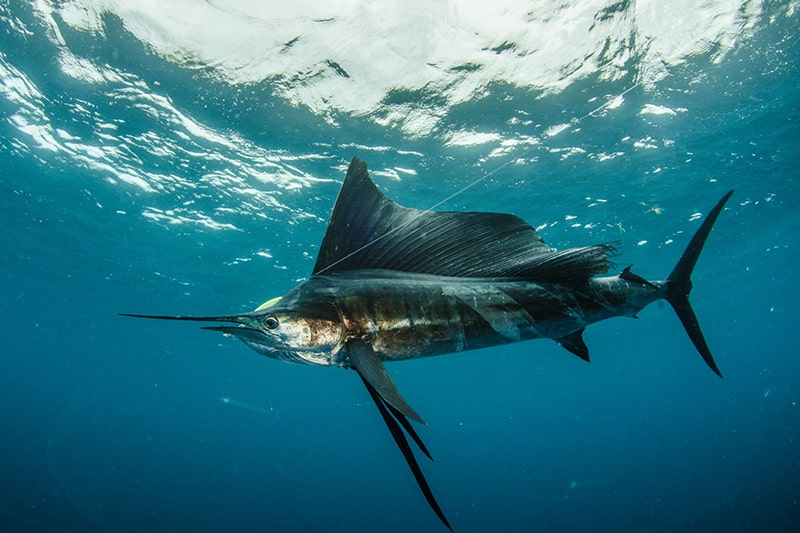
(310, 334)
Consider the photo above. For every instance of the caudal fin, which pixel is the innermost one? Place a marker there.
(679, 285)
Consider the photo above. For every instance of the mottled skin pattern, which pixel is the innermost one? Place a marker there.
(406, 316)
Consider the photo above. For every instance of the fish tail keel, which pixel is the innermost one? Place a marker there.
(679, 285)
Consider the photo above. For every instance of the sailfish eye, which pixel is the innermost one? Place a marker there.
(271, 322)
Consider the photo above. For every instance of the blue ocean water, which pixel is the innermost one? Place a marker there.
(184, 158)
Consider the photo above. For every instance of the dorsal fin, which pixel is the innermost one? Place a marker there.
(627, 275)
(367, 231)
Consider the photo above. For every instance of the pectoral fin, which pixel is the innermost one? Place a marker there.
(372, 371)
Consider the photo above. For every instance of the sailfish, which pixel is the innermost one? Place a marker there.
(392, 283)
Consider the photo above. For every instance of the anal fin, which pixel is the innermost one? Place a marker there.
(574, 343)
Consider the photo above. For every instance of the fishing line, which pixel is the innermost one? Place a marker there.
(527, 151)
(476, 181)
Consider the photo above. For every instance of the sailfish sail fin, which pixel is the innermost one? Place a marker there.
(367, 231)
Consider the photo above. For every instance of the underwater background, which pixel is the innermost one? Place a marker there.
(183, 157)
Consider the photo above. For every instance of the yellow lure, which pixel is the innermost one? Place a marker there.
(268, 303)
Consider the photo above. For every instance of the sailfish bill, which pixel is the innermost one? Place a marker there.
(393, 283)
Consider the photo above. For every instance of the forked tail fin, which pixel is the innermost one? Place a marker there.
(679, 284)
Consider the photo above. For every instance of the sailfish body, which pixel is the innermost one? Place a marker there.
(408, 315)
(393, 283)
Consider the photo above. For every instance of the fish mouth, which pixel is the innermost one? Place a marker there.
(246, 333)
